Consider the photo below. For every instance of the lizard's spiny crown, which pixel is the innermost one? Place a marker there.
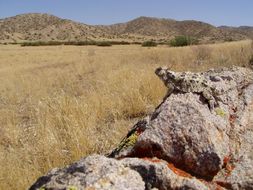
(161, 71)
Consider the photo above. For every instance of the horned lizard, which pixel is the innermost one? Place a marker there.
(190, 82)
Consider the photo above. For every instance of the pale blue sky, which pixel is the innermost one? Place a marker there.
(216, 12)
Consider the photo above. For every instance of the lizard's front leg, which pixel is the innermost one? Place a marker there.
(211, 100)
(170, 89)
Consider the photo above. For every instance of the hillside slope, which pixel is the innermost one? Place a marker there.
(242, 30)
(44, 27)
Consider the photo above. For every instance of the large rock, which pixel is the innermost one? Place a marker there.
(238, 171)
(93, 172)
(181, 145)
(159, 174)
(184, 131)
(98, 172)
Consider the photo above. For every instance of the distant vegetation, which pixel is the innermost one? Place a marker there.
(178, 42)
(40, 43)
(149, 44)
(76, 43)
(106, 43)
(183, 41)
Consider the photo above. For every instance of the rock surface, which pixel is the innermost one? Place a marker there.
(181, 145)
(92, 172)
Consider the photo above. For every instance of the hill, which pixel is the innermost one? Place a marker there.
(243, 30)
(144, 28)
(33, 27)
(44, 27)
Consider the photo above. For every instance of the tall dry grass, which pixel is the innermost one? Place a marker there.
(58, 104)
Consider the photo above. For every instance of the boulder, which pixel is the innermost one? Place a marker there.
(99, 172)
(92, 172)
(183, 144)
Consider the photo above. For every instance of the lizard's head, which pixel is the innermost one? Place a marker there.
(165, 74)
(161, 72)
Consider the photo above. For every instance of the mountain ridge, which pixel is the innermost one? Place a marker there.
(47, 27)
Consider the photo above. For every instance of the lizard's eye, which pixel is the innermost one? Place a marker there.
(171, 75)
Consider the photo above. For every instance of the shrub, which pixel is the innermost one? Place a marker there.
(41, 43)
(80, 43)
(183, 41)
(119, 43)
(136, 43)
(104, 43)
(229, 39)
(149, 44)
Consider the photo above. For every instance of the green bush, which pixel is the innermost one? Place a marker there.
(182, 41)
(104, 43)
(136, 43)
(229, 39)
(119, 43)
(149, 44)
(80, 43)
(41, 43)
(76, 43)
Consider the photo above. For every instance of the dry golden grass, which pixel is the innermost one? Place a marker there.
(58, 104)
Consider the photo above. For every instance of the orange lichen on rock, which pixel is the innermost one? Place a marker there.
(229, 169)
(139, 131)
(228, 165)
(154, 160)
(178, 171)
(171, 166)
(223, 184)
(226, 160)
(232, 118)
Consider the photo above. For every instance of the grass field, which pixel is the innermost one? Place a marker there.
(60, 103)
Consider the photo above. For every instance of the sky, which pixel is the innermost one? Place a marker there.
(215, 12)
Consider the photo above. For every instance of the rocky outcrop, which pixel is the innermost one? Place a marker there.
(99, 172)
(181, 145)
